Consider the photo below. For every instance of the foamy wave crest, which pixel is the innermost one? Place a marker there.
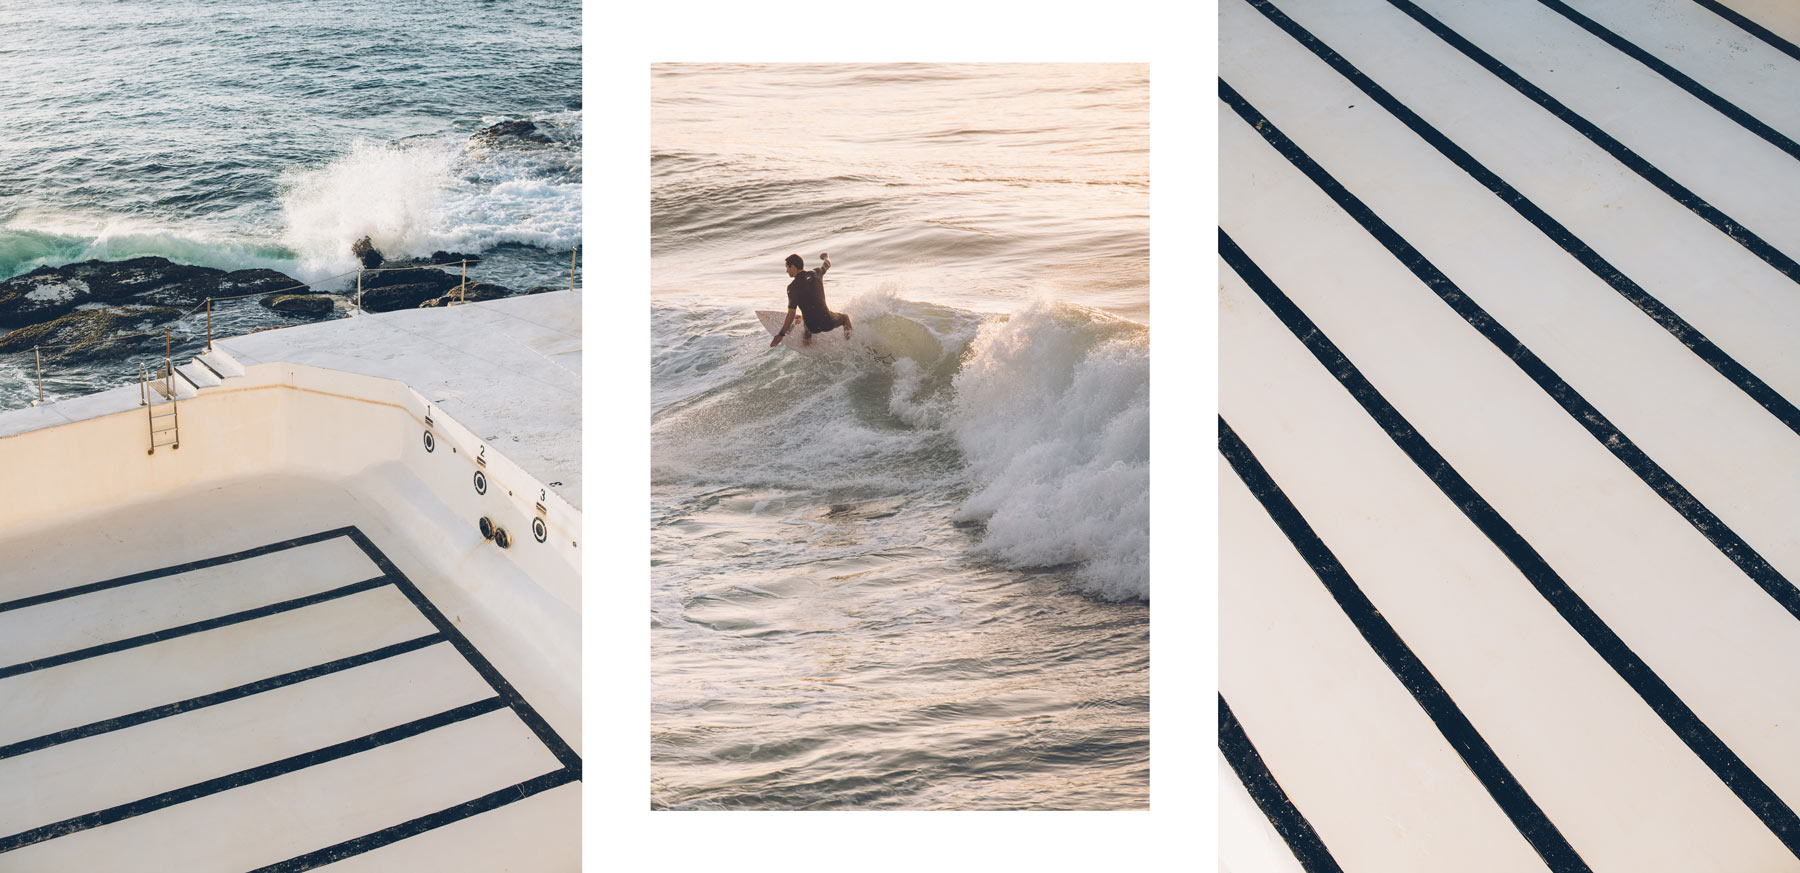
(1052, 413)
(533, 212)
(391, 194)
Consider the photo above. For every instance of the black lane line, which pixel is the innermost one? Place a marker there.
(1705, 95)
(1737, 776)
(545, 734)
(1533, 824)
(157, 712)
(234, 557)
(246, 777)
(1648, 471)
(194, 628)
(1688, 335)
(413, 828)
(1293, 827)
(1751, 27)
(1727, 225)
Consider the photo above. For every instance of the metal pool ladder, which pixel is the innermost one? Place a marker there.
(165, 427)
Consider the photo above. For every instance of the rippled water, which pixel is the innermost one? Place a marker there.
(272, 134)
(915, 577)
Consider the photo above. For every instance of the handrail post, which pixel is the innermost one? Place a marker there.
(209, 324)
(40, 371)
(572, 254)
(359, 273)
(168, 363)
(462, 294)
(143, 391)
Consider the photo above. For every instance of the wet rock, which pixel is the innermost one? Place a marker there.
(49, 292)
(301, 304)
(257, 282)
(474, 293)
(365, 251)
(543, 289)
(389, 290)
(91, 333)
(519, 131)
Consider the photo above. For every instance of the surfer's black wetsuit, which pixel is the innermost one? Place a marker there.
(807, 293)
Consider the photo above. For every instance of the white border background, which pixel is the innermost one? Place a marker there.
(1179, 41)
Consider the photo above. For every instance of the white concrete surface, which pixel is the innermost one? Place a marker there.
(509, 370)
(278, 451)
(1355, 753)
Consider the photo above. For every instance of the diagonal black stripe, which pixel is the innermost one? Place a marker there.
(1720, 104)
(157, 712)
(507, 692)
(234, 557)
(1751, 27)
(1737, 776)
(246, 777)
(1235, 745)
(1533, 824)
(193, 628)
(413, 828)
(1727, 225)
(1653, 475)
(1688, 335)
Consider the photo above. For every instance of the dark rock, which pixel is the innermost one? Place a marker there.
(391, 297)
(48, 292)
(543, 289)
(365, 251)
(452, 258)
(90, 333)
(406, 288)
(474, 293)
(301, 304)
(521, 131)
(258, 282)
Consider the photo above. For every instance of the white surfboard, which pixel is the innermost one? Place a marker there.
(824, 345)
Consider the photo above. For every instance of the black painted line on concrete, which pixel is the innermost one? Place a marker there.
(1751, 27)
(1688, 335)
(1414, 676)
(234, 557)
(530, 716)
(1727, 225)
(193, 628)
(413, 828)
(1293, 827)
(22, 747)
(1705, 95)
(1737, 776)
(246, 777)
(1648, 471)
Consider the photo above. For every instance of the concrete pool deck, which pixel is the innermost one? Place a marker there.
(1509, 463)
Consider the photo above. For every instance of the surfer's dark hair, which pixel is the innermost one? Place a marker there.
(796, 262)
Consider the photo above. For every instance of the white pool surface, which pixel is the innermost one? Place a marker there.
(1510, 460)
(286, 644)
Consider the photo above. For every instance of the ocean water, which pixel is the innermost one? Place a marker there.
(273, 134)
(916, 576)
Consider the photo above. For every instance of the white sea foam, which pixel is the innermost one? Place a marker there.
(430, 195)
(390, 194)
(1052, 412)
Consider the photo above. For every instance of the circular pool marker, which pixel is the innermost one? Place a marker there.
(430, 442)
(539, 530)
(480, 482)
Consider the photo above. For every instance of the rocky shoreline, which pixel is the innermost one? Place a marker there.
(92, 307)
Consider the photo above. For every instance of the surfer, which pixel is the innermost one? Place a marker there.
(807, 294)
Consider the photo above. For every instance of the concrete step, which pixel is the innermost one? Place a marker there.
(224, 365)
(198, 375)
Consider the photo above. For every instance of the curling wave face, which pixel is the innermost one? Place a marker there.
(1029, 431)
